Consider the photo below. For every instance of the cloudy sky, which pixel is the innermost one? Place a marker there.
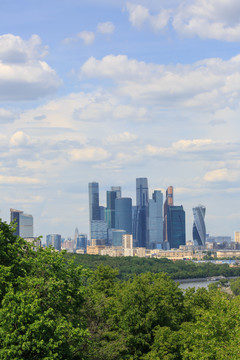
(107, 91)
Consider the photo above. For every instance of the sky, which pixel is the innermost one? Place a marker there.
(112, 90)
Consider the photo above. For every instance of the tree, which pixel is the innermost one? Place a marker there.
(42, 295)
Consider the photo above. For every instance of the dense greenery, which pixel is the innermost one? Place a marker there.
(131, 266)
(53, 309)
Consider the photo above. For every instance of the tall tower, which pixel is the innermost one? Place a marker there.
(199, 228)
(155, 220)
(141, 215)
(142, 192)
(118, 190)
(168, 202)
(93, 191)
(176, 232)
(110, 210)
(123, 214)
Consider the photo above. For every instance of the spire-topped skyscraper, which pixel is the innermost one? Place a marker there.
(141, 214)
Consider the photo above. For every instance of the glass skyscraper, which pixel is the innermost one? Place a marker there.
(123, 214)
(176, 232)
(199, 228)
(155, 220)
(141, 213)
(23, 222)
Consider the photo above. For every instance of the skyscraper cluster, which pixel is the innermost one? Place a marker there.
(150, 226)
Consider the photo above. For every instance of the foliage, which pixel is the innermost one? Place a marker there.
(128, 267)
(53, 308)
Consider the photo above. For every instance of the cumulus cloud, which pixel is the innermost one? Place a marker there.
(205, 147)
(23, 73)
(88, 37)
(140, 15)
(220, 175)
(209, 84)
(106, 27)
(212, 19)
(209, 19)
(88, 154)
(19, 139)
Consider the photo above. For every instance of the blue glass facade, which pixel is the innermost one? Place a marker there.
(176, 232)
(123, 214)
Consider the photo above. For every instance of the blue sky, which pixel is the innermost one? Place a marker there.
(109, 91)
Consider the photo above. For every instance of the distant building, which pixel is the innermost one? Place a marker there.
(141, 215)
(199, 228)
(237, 236)
(176, 232)
(117, 237)
(54, 240)
(110, 209)
(155, 220)
(118, 190)
(99, 230)
(81, 241)
(168, 202)
(23, 222)
(123, 214)
(94, 209)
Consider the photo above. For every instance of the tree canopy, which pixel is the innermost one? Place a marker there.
(52, 308)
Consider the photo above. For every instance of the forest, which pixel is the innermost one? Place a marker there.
(52, 308)
(130, 266)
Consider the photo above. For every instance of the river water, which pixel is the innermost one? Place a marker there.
(183, 284)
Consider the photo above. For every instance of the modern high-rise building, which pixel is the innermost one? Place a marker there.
(168, 202)
(176, 233)
(110, 209)
(199, 228)
(142, 192)
(93, 191)
(94, 208)
(118, 190)
(81, 241)
(141, 212)
(99, 231)
(54, 240)
(23, 223)
(155, 221)
(123, 214)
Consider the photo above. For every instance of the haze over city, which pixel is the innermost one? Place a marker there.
(109, 91)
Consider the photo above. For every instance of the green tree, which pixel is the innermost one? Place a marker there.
(42, 294)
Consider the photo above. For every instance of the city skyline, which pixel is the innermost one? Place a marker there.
(111, 91)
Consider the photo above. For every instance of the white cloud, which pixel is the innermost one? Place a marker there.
(19, 139)
(23, 73)
(88, 37)
(209, 84)
(88, 154)
(209, 19)
(5, 115)
(13, 49)
(140, 15)
(124, 137)
(220, 175)
(212, 19)
(14, 180)
(106, 27)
